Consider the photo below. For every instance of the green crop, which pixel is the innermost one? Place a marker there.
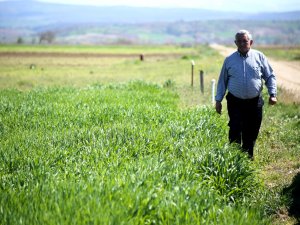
(120, 154)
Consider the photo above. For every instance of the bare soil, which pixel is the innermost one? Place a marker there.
(287, 72)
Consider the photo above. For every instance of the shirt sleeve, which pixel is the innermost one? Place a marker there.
(269, 77)
(222, 83)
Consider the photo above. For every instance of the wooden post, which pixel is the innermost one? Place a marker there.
(141, 57)
(192, 78)
(201, 82)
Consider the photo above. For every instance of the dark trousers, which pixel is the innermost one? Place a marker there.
(245, 116)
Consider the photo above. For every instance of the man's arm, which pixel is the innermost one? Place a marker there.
(221, 88)
(270, 81)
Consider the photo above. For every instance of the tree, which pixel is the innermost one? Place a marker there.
(48, 36)
(20, 40)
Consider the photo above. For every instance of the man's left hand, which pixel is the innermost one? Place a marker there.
(272, 100)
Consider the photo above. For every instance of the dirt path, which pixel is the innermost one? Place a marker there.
(287, 72)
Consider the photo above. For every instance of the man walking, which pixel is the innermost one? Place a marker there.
(242, 74)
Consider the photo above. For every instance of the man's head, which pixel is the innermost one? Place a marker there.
(243, 40)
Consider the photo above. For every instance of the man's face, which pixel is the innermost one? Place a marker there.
(243, 43)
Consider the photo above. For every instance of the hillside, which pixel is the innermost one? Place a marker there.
(24, 21)
(34, 13)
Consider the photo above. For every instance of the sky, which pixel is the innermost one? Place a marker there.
(224, 5)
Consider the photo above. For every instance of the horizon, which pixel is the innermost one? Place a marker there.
(217, 5)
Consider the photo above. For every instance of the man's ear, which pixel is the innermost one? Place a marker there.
(251, 42)
(235, 42)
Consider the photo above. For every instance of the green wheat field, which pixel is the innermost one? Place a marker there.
(115, 140)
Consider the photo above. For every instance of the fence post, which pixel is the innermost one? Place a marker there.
(213, 83)
(141, 57)
(201, 82)
(192, 75)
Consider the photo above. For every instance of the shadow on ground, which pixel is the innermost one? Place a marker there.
(292, 192)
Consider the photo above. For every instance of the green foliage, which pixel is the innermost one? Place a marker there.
(282, 53)
(120, 154)
(280, 134)
(169, 83)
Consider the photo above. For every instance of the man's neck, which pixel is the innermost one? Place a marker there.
(244, 54)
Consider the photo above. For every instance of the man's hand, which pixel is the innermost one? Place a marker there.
(218, 107)
(272, 100)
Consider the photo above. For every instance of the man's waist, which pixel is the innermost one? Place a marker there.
(245, 93)
(251, 98)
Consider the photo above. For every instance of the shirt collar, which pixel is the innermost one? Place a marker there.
(241, 55)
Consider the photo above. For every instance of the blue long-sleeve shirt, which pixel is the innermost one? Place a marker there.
(243, 76)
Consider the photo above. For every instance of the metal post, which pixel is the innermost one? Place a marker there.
(213, 83)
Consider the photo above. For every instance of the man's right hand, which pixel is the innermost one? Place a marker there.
(218, 107)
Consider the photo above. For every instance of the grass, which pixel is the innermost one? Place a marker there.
(16, 72)
(291, 53)
(117, 140)
(119, 154)
(105, 49)
(278, 150)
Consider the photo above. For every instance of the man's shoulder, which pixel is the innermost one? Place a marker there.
(256, 52)
(232, 55)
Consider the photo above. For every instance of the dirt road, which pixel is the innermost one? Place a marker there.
(287, 72)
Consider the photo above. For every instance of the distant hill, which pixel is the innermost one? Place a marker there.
(27, 19)
(33, 13)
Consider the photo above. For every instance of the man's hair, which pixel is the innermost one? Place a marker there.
(243, 32)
